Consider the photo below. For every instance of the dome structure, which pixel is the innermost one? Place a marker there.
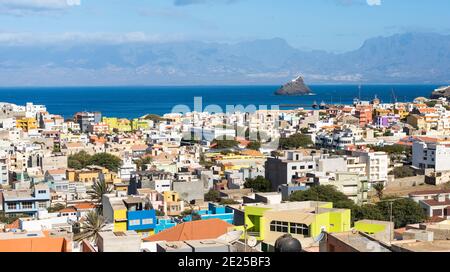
(287, 243)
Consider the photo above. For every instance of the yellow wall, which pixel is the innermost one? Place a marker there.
(26, 124)
(121, 217)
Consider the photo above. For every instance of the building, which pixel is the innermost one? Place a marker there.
(438, 206)
(119, 241)
(26, 201)
(194, 230)
(26, 124)
(84, 119)
(40, 241)
(294, 165)
(377, 165)
(303, 220)
(352, 241)
(431, 155)
(129, 213)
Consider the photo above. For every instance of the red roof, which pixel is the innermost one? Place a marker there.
(195, 230)
(13, 225)
(85, 206)
(431, 192)
(433, 202)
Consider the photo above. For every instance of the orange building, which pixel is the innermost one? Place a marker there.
(44, 241)
(364, 114)
(195, 230)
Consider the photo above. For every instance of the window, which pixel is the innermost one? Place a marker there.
(27, 205)
(310, 166)
(279, 226)
(12, 206)
(148, 221)
(297, 228)
(42, 192)
(294, 167)
(134, 222)
(42, 205)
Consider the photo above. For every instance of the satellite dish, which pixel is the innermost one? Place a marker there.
(252, 241)
(231, 237)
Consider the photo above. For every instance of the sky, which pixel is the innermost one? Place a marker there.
(332, 25)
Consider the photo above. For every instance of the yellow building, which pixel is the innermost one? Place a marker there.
(137, 124)
(26, 124)
(121, 125)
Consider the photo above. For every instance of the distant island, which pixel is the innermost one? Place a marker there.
(295, 87)
(441, 92)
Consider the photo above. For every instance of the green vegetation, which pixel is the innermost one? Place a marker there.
(224, 144)
(296, 141)
(392, 149)
(254, 145)
(259, 184)
(100, 188)
(403, 172)
(91, 227)
(404, 211)
(141, 163)
(327, 193)
(154, 118)
(82, 159)
(10, 219)
(56, 208)
(212, 196)
(159, 213)
(379, 188)
(227, 201)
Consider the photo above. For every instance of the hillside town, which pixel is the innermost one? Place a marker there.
(366, 177)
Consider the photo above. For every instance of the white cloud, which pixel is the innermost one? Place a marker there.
(23, 7)
(27, 38)
(374, 2)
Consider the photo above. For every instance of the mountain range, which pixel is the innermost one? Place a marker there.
(401, 58)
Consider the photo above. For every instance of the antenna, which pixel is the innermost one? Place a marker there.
(231, 237)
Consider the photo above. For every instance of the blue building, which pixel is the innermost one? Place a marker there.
(164, 223)
(26, 201)
(214, 212)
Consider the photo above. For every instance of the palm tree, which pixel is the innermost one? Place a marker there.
(100, 188)
(91, 227)
(379, 188)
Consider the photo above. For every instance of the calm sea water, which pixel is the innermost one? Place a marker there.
(131, 102)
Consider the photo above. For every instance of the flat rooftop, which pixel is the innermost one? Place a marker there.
(360, 242)
(434, 246)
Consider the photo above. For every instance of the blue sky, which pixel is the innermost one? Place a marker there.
(333, 25)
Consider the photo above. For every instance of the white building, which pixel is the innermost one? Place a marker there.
(431, 155)
(377, 165)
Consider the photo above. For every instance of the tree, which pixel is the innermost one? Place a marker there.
(259, 184)
(79, 160)
(254, 145)
(159, 213)
(106, 160)
(223, 144)
(91, 227)
(404, 211)
(56, 208)
(370, 212)
(142, 162)
(100, 188)
(379, 188)
(326, 193)
(296, 141)
(212, 196)
(227, 201)
(403, 172)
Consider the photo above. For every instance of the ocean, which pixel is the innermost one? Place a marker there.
(132, 102)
